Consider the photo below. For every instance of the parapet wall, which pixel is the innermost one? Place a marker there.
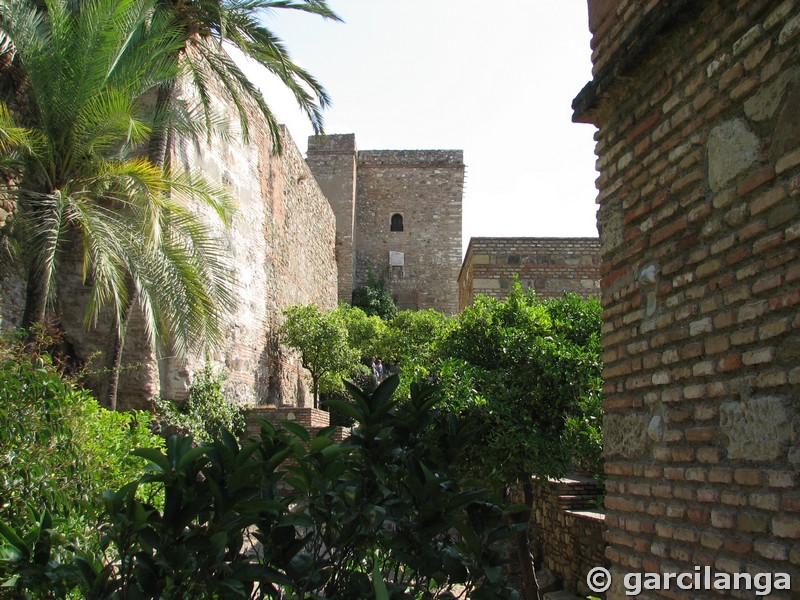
(699, 157)
(567, 530)
(549, 266)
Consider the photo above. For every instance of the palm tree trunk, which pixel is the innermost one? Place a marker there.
(35, 303)
(157, 153)
(159, 141)
(116, 357)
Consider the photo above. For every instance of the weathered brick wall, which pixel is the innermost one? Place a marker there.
(312, 419)
(550, 266)
(332, 159)
(699, 159)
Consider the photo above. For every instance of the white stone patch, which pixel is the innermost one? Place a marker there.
(732, 148)
(756, 429)
(765, 102)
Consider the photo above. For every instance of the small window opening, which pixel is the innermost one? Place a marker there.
(397, 222)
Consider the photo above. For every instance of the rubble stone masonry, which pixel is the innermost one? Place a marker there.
(424, 188)
(549, 266)
(698, 109)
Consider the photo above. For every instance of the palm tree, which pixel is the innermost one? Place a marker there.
(80, 179)
(205, 26)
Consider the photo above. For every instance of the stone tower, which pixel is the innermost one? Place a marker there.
(398, 214)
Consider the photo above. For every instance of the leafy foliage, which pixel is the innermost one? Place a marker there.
(81, 187)
(289, 516)
(531, 372)
(374, 298)
(202, 26)
(322, 339)
(364, 333)
(205, 413)
(59, 450)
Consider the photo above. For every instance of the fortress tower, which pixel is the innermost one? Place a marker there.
(398, 214)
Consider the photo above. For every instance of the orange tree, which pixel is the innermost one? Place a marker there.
(523, 379)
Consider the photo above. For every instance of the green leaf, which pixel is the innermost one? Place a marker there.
(11, 537)
(345, 408)
(155, 456)
(381, 593)
(298, 430)
(191, 455)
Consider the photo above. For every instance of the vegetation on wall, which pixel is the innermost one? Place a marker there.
(374, 297)
(204, 414)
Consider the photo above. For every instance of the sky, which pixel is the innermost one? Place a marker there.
(494, 79)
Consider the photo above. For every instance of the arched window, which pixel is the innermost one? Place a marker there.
(397, 222)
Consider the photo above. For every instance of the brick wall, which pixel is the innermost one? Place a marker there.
(312, 419)
(699, 157)
(550, 266)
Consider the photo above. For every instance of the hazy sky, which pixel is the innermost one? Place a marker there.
(495, 79)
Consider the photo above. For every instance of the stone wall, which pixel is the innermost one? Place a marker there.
(281, 244)
(567, 530)
(282, 253)
(423, 187)
(332, 159)
(699, 157)
(550, 266)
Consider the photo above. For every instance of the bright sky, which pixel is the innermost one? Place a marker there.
(494, 79)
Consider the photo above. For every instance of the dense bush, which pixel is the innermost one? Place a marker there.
(286, 516)
(204, 414)
(59, 450)
(525, 376)
(374, 297)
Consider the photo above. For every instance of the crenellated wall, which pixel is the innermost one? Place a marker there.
(698, 148)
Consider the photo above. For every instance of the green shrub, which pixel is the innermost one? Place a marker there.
(374, 298)
(205, 413)
(286, 516)
(59, 450)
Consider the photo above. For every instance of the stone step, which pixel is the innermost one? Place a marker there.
(577, 502)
